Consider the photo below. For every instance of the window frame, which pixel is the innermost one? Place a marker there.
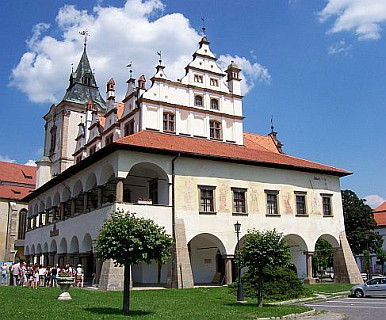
(234, 200)
(275, 194)
(301, 194)
(212, 198)
(214, 82)
(129, 128)
(214, 131)
(201, 97)
(325, 197)
(217, 102)
(198, 78)
(109, 139)
(167, 122)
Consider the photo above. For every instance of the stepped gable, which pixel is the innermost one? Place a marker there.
(152, 141)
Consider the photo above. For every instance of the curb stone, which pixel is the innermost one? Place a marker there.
(292, 315)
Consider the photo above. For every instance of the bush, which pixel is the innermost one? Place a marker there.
(279, 284)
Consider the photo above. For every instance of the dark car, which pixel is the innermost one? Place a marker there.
(375, 287)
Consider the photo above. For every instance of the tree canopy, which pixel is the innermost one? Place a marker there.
(359, 224)
(261, 251)
(130, 240)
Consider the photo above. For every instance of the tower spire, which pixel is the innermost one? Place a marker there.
(85, 34)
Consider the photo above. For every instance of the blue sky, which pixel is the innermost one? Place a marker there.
(316, 66)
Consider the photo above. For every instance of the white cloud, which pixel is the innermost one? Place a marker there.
(251, 73)
(30, 163)
(340, 47)
(118, 35)
(6, 158)
(364, 17)
(374, 200)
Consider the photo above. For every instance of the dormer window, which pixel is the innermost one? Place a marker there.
(198, 78)
(214, 104)
(87, 79)
(213, 82)
(198, 101)
(215, 129)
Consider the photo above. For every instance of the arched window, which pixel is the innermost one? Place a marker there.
(214, 104)
(198, 101)
(22, 225)
(87, 79)
(53, 139)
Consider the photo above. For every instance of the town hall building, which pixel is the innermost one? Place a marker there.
(176, 152)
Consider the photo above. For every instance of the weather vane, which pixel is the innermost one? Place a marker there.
(130, 66)
(160, 57)
(203, 26)
(272, 127)
(85, 34)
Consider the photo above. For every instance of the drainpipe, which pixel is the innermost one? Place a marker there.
(174, 280)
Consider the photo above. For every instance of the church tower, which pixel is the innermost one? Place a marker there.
(62, 120)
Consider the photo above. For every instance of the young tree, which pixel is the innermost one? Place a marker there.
(359, 224)
(262, 250)
(323, 257)
(381, 255)
(130, 240)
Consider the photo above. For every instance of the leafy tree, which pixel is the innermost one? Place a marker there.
(130, 240)
(381, 255)
(359, 224)
(261, 251)
(323, 257)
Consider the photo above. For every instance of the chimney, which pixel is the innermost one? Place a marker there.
(233, 78)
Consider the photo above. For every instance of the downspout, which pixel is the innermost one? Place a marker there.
(174, 279)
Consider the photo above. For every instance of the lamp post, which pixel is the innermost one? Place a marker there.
(240, 294)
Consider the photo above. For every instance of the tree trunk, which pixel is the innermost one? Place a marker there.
(126, 290)
(260, 291)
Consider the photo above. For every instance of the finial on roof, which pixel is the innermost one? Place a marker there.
(160, 57)
(85, 34)
(272, 126)
(72, 68)
(203, 27)
(130, 66)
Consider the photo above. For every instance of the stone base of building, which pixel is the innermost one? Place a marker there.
(111, 277)
(345, 268)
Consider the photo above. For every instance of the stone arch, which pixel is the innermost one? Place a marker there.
(62, 246)
(38, 249)
(33, 249)
(298, 248)
(26, 251)
(206, 256)
(53, 246)
(106, 174)
(45, 247)
(91, 182)
(42, 206)
(56, 200)
(327, 269)
(66, 194)
(77, 189)
(330, 239)
(35, 210)
(48, 203)
(146, 180)
(74, 245)
(86, 245)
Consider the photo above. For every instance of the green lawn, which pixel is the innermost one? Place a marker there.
(328, 287)
(211, 303)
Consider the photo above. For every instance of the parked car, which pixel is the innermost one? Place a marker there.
(375, 287)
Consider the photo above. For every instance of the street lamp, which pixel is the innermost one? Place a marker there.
(240, 294)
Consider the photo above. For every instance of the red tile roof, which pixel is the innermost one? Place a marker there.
(17, 173)
(258, 142)
(380, 208)
(14, 192)
(380, 214)
(16, 180)
(257, 150)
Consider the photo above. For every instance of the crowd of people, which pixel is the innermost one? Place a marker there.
(35, 275)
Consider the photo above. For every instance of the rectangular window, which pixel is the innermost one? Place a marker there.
(327, 206)
(129, 128)
(198, 78)
(272, 206)
(206, 199)
(169, 122)
(153, 190)
(213, 82)
(301, 204)
(239, 201)
(109, 139)
(215, 129)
